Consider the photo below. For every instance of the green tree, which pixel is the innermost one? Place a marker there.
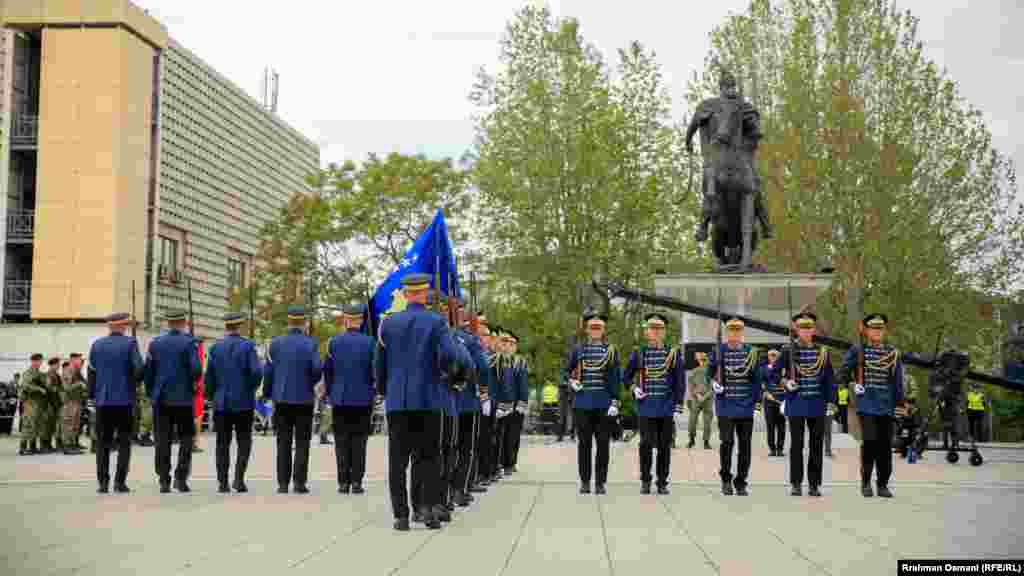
(579, 174)
(876, 165)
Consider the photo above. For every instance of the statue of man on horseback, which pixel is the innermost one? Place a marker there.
(729, 134)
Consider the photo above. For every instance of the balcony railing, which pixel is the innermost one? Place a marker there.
(20, 226)
(25, 131)
(17, 297)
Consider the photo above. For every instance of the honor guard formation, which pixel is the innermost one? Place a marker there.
(455, 395)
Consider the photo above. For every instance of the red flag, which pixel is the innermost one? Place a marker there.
(199, 396)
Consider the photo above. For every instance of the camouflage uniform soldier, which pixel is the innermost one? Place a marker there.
(53, 405)
(32, 392)
(144, 408)
(75, 392)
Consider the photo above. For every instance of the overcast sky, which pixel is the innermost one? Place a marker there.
(360, 77)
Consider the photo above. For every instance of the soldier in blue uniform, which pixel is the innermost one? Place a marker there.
(290, 375)
(348, 383)
(659, 394)
(469, 412)
(808, 393)
(115, 367)
(485, 429)
(412, 346)
(876, 371)
(233, 373)
(594, 374)
(521, 385)
(737, 388)
(172, 375)
(774, 392)
(502, 401)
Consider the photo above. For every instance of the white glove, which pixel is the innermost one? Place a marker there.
(613, 411)
(859, 389)
(718, 388)
(575, 385)
(638, 393)
(521, 408)
(486, 407)
(791, 385)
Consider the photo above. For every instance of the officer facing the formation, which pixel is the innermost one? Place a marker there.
(698, 397)
(75, 392)
(876, 371)
(411, 347)
(593, 373)
(511, 403)
(469, 411)
(233, 373)
(774, 391)
(32, 393)
(659, 392)
(349, 385)
(290, 375)
(172, 373)
(808, 393)
(737, 388)
(115, 366)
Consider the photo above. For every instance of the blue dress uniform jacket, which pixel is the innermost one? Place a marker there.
(292, 369)
(454, 405)
(117, 367)
(663, 379)
(504, 389)
(597, 367)
(469, 401)
(348, 369)
(883, 378)
(742, 381)
(172, 369)
(521, 372)
(771, 381)
(411, 345)
(815, 380)
(233, 373)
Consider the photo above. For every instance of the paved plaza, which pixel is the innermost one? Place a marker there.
(533, 523)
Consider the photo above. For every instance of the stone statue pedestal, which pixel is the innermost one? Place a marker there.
(761, 296)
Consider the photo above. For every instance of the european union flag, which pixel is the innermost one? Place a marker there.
(431, 254)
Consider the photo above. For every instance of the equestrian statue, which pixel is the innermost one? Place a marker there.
(729, 135)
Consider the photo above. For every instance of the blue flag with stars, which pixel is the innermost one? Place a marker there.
(431, 254)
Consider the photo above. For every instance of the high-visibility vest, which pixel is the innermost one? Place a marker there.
(844, 396)
(551, 394)
(975, 401)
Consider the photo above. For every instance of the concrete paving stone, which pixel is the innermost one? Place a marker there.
(533, 523)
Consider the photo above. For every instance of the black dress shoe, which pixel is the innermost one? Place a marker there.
(344, 488)
(865, 490)
(726, 489)
(240, 486)
(599, 489)
(103, 489)
(450, 506)
(165, 487)
(282, 489)
(181, 486)
(796, 491)
(478, 489)
(584, 488)
(402, 524)
(663, 489)
(742, 491)
(707, 445)
(417, 517)
(645, 487)
(358, 489)
(461, 500)
(814, 491)
(883, 492)
(121, 488)
(302, 489)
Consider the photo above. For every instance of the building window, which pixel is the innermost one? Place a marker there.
(168, 256)
(236, 274)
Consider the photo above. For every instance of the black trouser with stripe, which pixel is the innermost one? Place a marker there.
(815, 426)
(238, 424)
(513, 424)
(485, 437)
(180, 419)
(738, 430)
(466, 449)
(655, 434)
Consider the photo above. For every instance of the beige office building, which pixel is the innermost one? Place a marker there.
(127, 161)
